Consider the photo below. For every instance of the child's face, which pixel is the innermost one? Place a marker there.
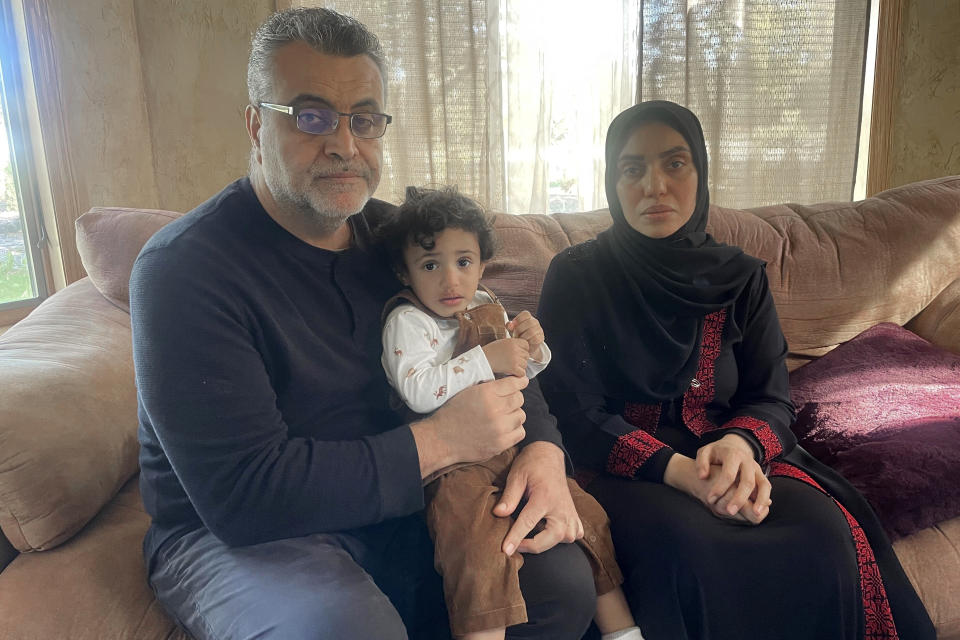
(444, 278)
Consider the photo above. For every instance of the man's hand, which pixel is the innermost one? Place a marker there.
(538, 474)
(528, 328)
(476, 424)
(508, 356)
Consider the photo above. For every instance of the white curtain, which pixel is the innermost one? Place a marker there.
(510, 99)
(569, 69)
(777, 85)
(507, 99)
(446, 120)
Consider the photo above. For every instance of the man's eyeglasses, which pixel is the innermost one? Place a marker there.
(323, 122)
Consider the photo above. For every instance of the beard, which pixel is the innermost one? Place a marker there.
(321, 205)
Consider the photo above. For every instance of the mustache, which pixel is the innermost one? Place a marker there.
(358, 170)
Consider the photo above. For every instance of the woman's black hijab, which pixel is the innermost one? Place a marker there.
(641, 334)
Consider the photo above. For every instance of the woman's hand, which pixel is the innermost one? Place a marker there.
(528, 328)
(738, 480)
(684, 474)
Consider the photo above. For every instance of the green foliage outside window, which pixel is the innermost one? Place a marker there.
(14, 281)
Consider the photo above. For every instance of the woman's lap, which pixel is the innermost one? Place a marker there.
(692, 575)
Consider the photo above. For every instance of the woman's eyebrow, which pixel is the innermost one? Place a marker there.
(674, 150)
(636, 157)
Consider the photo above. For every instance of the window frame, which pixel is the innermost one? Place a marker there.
(12, 95)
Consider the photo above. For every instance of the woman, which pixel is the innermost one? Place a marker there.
(669, 383)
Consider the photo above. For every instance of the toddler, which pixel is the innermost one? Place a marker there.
(442, 334)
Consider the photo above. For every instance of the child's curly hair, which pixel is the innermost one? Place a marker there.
(425, 213)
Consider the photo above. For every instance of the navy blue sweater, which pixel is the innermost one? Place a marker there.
(263, 406)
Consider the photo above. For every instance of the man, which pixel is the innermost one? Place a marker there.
(285, 495)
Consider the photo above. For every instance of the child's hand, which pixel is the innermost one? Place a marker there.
(508, 356)
(528, 328)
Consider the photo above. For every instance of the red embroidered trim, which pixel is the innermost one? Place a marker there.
(642, 416)
(878, 619)
(769, 441)
(696, 398)
(790, 471)
(631, 452)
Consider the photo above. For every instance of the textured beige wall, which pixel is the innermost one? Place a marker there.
(926, 119)
(156, 91)
(194, 61)
(98, 60)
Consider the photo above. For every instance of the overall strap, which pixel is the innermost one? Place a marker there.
(487, 291)
(406, 296)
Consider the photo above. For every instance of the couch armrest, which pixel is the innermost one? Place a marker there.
(939, 322)
(68, 416)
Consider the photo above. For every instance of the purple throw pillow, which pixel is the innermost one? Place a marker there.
(883, 409)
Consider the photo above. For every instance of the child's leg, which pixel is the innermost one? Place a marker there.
(489, 634)
(480, 583)
(613, 612)
(613, 616)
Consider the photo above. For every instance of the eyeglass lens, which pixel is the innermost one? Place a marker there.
(324, 122)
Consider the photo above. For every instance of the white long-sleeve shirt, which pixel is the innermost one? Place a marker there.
(417, 357)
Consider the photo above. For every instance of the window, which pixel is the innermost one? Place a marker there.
(22, 283)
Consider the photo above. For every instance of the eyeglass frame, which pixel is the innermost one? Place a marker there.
(295, 112)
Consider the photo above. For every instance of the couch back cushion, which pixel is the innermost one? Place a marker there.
(835, 268)
(68, 416)
(525, 246)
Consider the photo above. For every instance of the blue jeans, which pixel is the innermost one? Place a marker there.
(377, 582)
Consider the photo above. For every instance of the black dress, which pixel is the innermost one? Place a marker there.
(819, 566)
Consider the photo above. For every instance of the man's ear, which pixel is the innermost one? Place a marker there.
(403, 277)
(483, 265)
(252, 117)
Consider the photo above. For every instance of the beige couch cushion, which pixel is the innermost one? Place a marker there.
(109, 240)
(92, 588)
(68, 416)
(931, 559)
(939, 322)
(526, 245)
(837, 269)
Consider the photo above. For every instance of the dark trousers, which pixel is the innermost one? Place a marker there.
(377, 582)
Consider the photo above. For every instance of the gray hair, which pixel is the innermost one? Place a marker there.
(323, 29)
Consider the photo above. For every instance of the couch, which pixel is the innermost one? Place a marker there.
(70, 512)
